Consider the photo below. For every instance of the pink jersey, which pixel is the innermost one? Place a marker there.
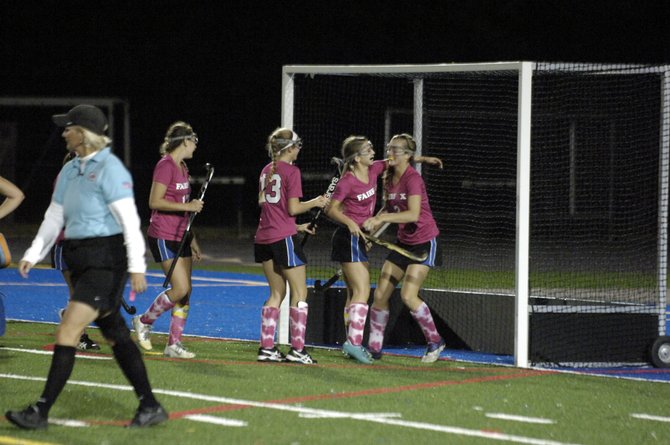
(358, 198)
(170, 225)
(275, 222)
(411, 184)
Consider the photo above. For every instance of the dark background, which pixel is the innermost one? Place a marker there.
(218, 64)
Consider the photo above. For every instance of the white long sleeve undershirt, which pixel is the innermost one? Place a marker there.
(46, 235)
(125, 213)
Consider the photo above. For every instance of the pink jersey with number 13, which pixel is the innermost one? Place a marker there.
(275, 222)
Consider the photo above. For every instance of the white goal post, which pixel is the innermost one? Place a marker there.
(526, 121)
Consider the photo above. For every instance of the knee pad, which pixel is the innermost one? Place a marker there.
(114, 328)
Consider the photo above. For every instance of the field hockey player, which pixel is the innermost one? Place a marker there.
(277, 248)
(406, 203)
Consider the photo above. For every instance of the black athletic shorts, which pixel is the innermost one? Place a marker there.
(433, 248)
(99, 270)
(285, 253)
(348, 248)
(163, 250)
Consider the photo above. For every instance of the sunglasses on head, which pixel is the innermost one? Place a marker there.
(190, 137)
(297, 143)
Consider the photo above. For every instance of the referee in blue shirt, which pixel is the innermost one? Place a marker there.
(93, 199)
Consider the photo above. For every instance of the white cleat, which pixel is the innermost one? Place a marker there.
(177, 350)
(143, 332)
(433, 351)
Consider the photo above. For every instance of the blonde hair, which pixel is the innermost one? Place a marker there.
(279, 140)
(93, 140)
(351, 147)
(175, 135)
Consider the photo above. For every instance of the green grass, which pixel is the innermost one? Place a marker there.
(454, 397)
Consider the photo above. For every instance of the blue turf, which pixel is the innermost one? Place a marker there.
(221, 308)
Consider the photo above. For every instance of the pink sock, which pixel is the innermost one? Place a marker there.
(161, 304)
(298, 325)
(423, 316)
(379, 318)
(269, 318)
(177, 323)
(358, 313)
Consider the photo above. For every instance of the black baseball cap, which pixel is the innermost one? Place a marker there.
(87, 116)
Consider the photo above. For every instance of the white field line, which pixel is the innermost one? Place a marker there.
(315, 412)
(377, 415)
(525, 419)
(213, 281)
(215, 420)
(607, 376)
(40, 352)
(650, 417)
(69, 422)
(218, 280)
(32, 283)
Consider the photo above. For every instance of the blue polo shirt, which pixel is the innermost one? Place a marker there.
(85, 194)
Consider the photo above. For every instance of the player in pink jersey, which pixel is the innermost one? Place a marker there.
(406, 204)
(170, 205)
(352, 203)
(277, 248)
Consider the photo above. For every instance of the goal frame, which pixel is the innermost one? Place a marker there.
(525, 70)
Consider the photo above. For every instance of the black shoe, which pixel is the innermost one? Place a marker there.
(377, 355)
(270, 355)
(300, 357)
(147, 416)
(28, 419)
(86, 344)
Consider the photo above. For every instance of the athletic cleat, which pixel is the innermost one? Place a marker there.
(376, 355)
(28, 419)
(177, 350)
(86, 344)
(433, 351)
(148, 416)
(270, 355)
(300, 357)
(357, 352)
(143, 332)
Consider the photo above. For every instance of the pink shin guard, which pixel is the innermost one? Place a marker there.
(298, 325)
(379, 318)
(161, 304)
(269, 318)
(423, 316)
(358, 313)
(177, 323)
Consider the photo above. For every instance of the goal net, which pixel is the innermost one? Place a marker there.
(552, 206)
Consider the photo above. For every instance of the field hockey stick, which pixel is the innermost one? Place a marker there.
(338, 163)
(132, 310)
(321, 287)
(187, 232)
(395, 248)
